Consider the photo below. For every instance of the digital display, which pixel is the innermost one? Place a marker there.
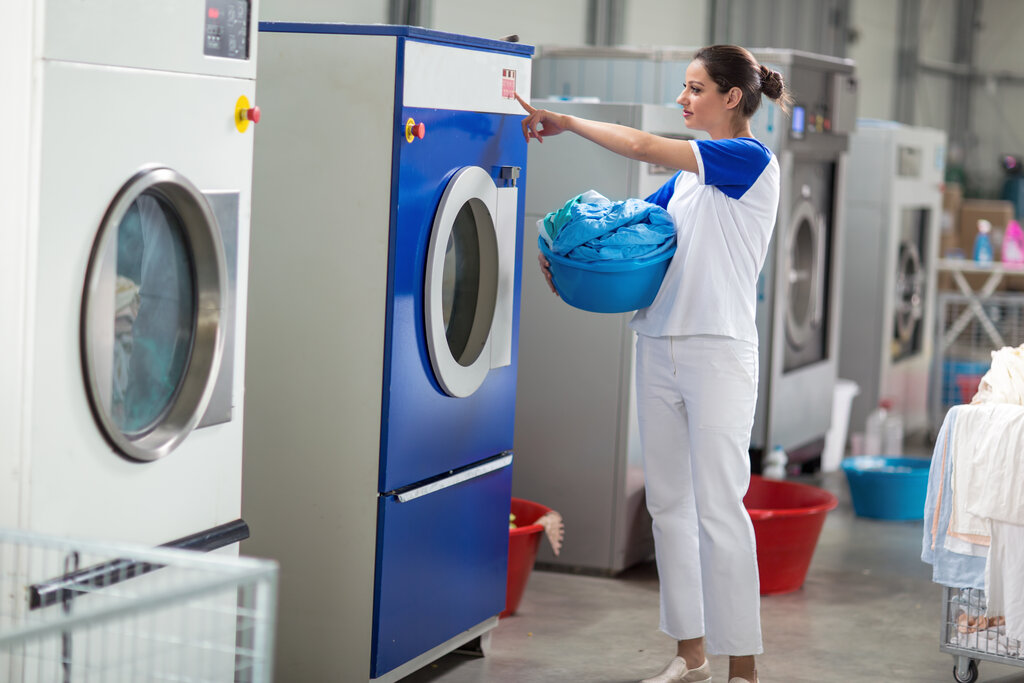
(798, 122)
(227, 29)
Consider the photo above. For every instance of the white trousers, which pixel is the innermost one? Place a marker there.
(695, 402)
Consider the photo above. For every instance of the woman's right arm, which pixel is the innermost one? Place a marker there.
(623, 140)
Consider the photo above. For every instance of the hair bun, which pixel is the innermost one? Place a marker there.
(771, 83)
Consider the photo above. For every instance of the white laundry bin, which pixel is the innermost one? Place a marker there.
(835, 438)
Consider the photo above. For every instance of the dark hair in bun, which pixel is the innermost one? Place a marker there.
(771, 83)
(731, 66)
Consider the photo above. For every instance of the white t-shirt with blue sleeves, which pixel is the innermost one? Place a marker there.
(724, 217)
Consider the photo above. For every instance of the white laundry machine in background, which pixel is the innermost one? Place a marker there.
(577, 441)
(135, 244)
(800, 283)
(383, 337)
(890, 248)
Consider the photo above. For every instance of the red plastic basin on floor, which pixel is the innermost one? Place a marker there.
(787, 521)
(523, 542)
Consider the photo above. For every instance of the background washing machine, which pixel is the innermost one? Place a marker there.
(799, 287)
(136, 266)
(577, 442)
(383, 340)
(798, 312)
(893, 206)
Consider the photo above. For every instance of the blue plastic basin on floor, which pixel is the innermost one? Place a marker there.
(887, 487)
(607, 286)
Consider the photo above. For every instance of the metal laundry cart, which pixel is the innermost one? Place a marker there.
(968, 328)
(75, 612)
(970, 636)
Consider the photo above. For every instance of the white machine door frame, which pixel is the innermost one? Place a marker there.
(805, 274)
(469, 281)
(161, 218)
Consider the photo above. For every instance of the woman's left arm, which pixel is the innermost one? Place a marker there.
(623, 140)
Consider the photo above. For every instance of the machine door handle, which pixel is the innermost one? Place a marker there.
(457, 478)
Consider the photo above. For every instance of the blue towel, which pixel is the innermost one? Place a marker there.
(948, 568)
(598, 229)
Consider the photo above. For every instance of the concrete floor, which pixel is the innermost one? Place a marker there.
(868, 611)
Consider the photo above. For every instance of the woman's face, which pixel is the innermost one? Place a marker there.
(704, 107)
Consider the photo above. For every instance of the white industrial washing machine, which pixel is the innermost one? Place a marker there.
(893, 206)
(578, 442)
(135, 245)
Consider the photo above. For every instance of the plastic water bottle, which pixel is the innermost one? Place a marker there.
(983, 243)
(875, 427)
(883, 433)
(775, 462)
(892, 435)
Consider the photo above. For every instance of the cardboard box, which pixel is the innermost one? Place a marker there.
(949, 221)
(996, 211)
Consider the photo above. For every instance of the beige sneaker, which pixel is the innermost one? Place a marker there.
(677, 672)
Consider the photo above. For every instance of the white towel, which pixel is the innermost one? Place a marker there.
(1004, 381)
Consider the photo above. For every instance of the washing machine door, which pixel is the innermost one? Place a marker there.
(805, 285)
(151, 328)
(909, 294)
(467, 288)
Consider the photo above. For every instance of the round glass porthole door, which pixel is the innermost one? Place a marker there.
(151, 327)
(803, 286)
(909, 293)
(461, 285)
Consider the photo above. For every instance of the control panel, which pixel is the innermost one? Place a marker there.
(824, 103)
(227, 29)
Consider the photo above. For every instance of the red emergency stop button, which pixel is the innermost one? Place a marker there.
(244, 114)
(414, 130)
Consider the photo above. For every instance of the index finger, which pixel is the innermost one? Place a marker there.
(525, 104)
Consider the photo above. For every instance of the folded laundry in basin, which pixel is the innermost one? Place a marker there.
(591, 227)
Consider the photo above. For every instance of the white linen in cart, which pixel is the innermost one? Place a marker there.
(1004, 578)
(1004, 381)
(988, 500)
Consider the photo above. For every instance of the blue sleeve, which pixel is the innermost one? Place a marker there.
(733, 165)
(664, 193)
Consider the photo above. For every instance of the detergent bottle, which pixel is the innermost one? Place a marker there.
(983, 243)
(1013, 244)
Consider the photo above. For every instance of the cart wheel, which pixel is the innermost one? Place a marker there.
(968, 676)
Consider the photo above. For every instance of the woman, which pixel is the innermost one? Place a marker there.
(697, 354)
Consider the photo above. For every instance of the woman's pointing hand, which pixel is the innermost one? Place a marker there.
(540, 123)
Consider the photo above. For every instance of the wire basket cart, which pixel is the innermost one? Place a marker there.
(968, 329)
(80, 612)
(970, 636)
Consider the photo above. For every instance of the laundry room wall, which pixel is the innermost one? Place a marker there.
(362, 12)
(997, 94)
(666, 22)
(645, 22)
(873, 46)
(537, 22)
(16, 188)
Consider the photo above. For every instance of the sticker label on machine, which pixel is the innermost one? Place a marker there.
(463, 79)
(508, 84)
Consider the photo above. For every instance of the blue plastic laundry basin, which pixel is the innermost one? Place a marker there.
(607, 286)
(887, 488)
